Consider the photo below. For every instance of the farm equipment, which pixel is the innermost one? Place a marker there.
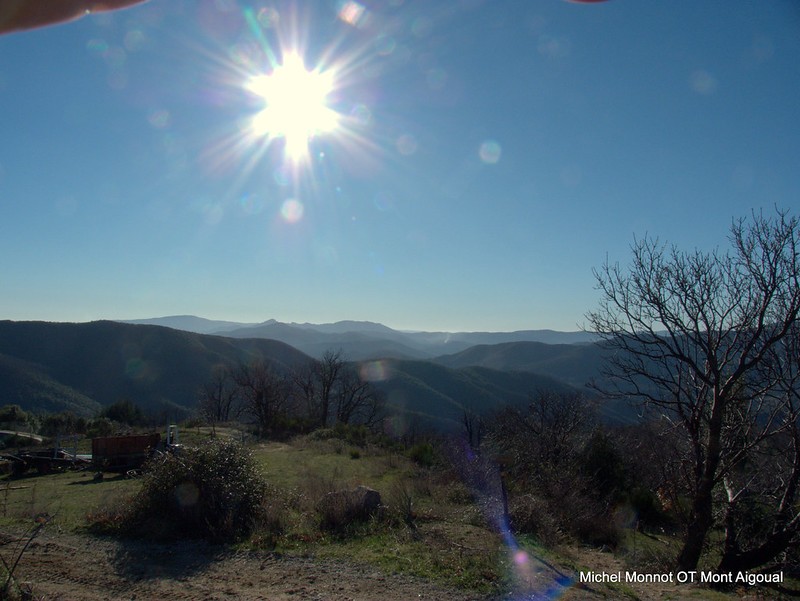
(126, 453)
(123, 453)
(44, 461)
(109, 454)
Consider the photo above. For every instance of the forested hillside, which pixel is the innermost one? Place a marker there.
(83, 367)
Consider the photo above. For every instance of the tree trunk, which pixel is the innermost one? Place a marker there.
(702, 516)
(698, 527)
(743, 561)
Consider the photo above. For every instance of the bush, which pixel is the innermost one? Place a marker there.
(214, 492)
(54, 424)
(532, 515)
(125, 412)
(98, 427)
(422, 454)
(12, 417)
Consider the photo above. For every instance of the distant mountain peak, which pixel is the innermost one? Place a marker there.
(345, 326)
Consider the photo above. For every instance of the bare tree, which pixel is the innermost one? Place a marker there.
(473, 428)
(265, 392)
(356, 400)
(540, 450)
(540, 445)
(328, 372)
(305, 390)
(218, 397)
(771, 482)
(332, 390)
(692, 333)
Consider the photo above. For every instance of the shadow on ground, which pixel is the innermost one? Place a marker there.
(143, 560)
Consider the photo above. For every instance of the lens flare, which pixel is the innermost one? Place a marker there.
(353, 13)
(292, 210)
(375, 371)
(490, 152)
(532, 577)
(187, 494)
(406, 144)
(296, 105)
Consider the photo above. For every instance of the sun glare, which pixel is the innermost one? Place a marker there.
(295, 105)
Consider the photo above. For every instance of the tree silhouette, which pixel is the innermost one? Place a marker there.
(697, 336)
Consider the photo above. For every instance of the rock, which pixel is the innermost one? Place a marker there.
(342, 507)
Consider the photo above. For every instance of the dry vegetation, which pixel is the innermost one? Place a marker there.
(436, 536)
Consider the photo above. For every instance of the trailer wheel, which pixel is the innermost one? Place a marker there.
(19, 467)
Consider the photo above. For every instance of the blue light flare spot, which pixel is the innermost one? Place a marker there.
(282, 176)
(252, 204)
(135, 40)
(703, 82)
(361, 114)
(385, 45)
(375, 371)
(422, 27)
(292, 210)
(268, 17)
(490, 152)
(353, 13)
(406, 144)
(159, 118)
(187, 494)
(97, 45)
(383, 201)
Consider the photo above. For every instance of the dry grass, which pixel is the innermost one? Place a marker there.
(433, 525)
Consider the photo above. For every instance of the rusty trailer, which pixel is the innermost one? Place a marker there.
(123, 453)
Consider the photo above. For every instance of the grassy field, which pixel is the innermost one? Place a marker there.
(432, 525)
(69, 497)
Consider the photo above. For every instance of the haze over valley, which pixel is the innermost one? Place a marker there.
(430, 377)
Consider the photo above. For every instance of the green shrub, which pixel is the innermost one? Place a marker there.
(214, 491)
(401, 503)
(100, 426)
(354, 435)
(125, 412)
(422, 454)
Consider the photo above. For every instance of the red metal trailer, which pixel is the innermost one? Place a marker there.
(123, 453)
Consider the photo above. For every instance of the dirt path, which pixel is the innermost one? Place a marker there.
(67, 567)
(78, 568)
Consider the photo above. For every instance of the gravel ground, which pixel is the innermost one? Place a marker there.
(82, 568)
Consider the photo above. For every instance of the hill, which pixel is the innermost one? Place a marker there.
(422, 390)
(28, 385)
(83, 367)
(88, 365)
(365, 340)
(190, 323)
(576, 364)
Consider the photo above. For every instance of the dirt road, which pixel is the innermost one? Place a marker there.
(78, 568)
(68, 567)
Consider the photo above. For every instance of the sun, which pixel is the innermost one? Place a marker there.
(296, 106)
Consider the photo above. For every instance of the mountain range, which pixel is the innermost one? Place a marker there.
(82, 367)
(363, 340)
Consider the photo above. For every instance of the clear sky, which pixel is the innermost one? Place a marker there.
(473, 160)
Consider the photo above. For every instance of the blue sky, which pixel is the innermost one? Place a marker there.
(489, 154)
